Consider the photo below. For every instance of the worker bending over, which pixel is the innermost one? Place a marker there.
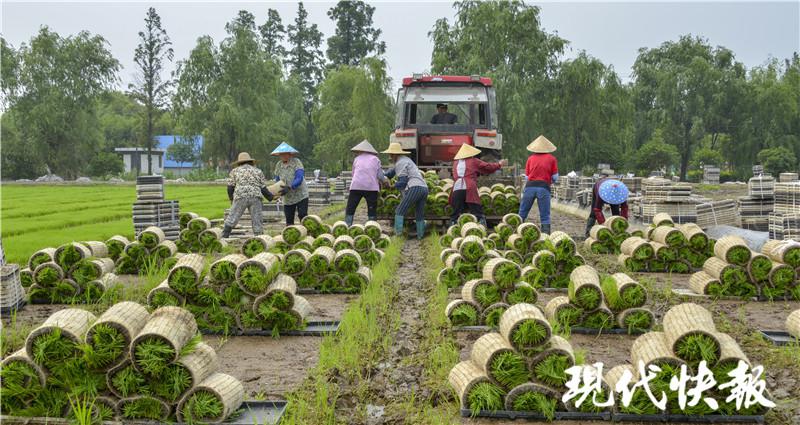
(541, 171)
(609, 191)
(411, 185)
(466, 169)
(246, 185)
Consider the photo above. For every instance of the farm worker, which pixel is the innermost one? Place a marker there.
(541, 171)
(411, 184)
(246, 185)
(466, 169)
(289, 170)
(367, 175)
(609, 191)
(442, 116)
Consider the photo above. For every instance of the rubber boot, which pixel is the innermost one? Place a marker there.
(349, 220)
(421, 229)
(398, 225)
(546, 228)
(226, 231)
(483, 222)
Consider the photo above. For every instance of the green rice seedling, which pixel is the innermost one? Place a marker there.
(127, 382)
(307, 280)
(603, 233)
(680, 267)
(505, 274)
(568, 315)
(640, 404)
(253, 278)
(142, 408)
(339, 229)
(560, 280)
(695, 348)
(318, 265)
(175, 381)
(656, 266)
(81, 410)
(738, 255)
(163, 299)
(277, 320)
(532, 401)
(618, 224)
(85, 271)
(743, 289)
(472, 250)
(589, 406)
(183, 281)
(374, 232)
(331, 282)
(347, 263)
(20, 386)
(115, 248)
(759, 268)
(487, 294)
(513, 256)
(106, 345)
(252, 247)
(463, 315)
(355, 231)
(136, 251)
(631, 295)
(152, 355)
(485, 396)
(294, 263)
(450, 277)
(522, 294)
(355, 281)
(587, 297)
(598, 247)
(26, 278)
(51, 349)
(444, 240)
(638, 233)
(513, 220)
(529, 232)
(223, 272)
(598, 319)
(68, 256)
(38, 259)
(47, 274)
(221, 320)
(509, 369)
(250, 320)
(371, 258)
(528, 333)
(732, 276)
(543, 245)
(638, 320)
(292, 235)
(695, 259)
(545, 261)
(202, 406)
(635, 265)
(126, 265)
(551, 370)
(383, 243)
(280, 247)
(277, 299)
(466, 218)
(102, 412)
(148, 239)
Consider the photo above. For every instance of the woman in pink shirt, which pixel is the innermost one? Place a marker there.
(367, 175)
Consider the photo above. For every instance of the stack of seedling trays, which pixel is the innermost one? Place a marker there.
(736, 271)
(151, 209)
(667, 247)
(710, 174)
(613, 304)
(787, 198)
(566, 188)
(634, 184)
(12, 294)
(754, 209)
(661, 195)
(717, 213)
(319, 193)
(234, 294)
(200, 237)
(519, 372)
(784, 226)
(689, 337)
(125, 365)
(338, 190)
(77, 272)
(787, 177)
(149, 252)
(607, 238)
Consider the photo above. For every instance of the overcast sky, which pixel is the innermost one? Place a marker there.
(610, 31)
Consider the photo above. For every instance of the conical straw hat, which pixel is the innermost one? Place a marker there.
(541, 145)
(396, 149)
(467, 151)
(284, 148)
(244, 157)
(364, 146)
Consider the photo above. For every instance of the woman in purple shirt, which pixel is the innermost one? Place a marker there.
(367, 175)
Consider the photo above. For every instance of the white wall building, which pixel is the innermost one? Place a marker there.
(136, 158)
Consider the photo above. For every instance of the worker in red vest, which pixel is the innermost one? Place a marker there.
(541, 171)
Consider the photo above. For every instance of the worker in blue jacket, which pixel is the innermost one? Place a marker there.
(411, 185)
(289, 170)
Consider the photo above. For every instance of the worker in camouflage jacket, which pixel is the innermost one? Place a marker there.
(246, 186)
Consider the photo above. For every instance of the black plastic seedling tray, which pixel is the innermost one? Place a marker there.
(564, 416)
(699, 419)
(779, 338)
(574, 330)
(312, 329)
(312, 291)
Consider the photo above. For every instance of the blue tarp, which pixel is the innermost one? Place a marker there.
(165, 140)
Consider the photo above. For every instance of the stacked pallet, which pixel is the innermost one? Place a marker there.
(787, 177)
(346, 177)
(784, 226)
(755, 208)
(758, 170)
(151, 209)
(710, 174)
(634, 184)
(663, 196)
(319, 192)
(717, 213)
(787, 197)
(12, 295)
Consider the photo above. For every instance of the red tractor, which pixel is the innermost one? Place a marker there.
(437, 114)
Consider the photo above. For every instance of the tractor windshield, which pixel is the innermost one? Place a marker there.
(467, 108)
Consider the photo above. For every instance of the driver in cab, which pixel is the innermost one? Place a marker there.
(443, 117)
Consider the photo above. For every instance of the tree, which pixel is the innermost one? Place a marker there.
(272, 35)
(777, 160)
(182, 150)
(52, 110)
(305, 56)
(355, 37)
(105, 164)
(655, 155)
(149, 56)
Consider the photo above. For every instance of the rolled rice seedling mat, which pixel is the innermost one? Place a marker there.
(617, 223)
(787, 252)
(793, 324)
(481, 292)
(87, 270)
(20, 371)
(549, 366)
(162, 338)
(446, 253)
(151, 236)
(533, 398)
(622, 292)
(347, 261)
(321, 260)
(223, 271)
(594, 246)
(188, 371)
(165, 249)
(728, 274)
(26, 277)
(473, 229)
(450, 278)
(358, 280)
(563, 244)
(458, 263)
(68, 254)
(498, 360)
(529, 231)
(48, 274)
(356, 230)
(462, 313)
(189, 236)
(638, 248)
(363, 243)
(41, 256)
(522, 292)
(544, 261)
(704, 284)
(601, 318)
(112, 333)
(162, 296)
(295, 262)
(97, 248)
(471, 385)
(307, 243)
(185, 218)
(504, 230)
(780, 283)
(58, 338)
(186, 275)
(456, 243)
(690, 333)
(143, 407)
(662, 219)
(344, 242)
(211, 401)
(257, 244)
(339, 228)
(513, 220)
(525, 327)
(640, 403)
(758, 267)
(695, 236)
(601, 396)
(600, 233)
(294, 233)
(584, 288)
(668, 235)
(517, 243)
(445, 240)
(561, 311)
(635, 320)
(208, 236)
(466, 218)
(502, 272)
(732, 249)
(373, 230)
(283, 283)
(383, 242)
(255, 274)
(652, 348)
(471, 247)
(535, 277)
(198, 224)
(513, 256)
(490, 316)
(663, 252)
(312, 222)
(325, 239)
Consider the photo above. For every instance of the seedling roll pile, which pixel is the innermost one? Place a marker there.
(146, 366)
(198, 236)
(607, 238)
(665, 247)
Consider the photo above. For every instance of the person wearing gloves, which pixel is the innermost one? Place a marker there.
(367, 175)
(541, 171)
(609, 191)
(411, 185)
(246, 186)
(466, 169)
(289, 170)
